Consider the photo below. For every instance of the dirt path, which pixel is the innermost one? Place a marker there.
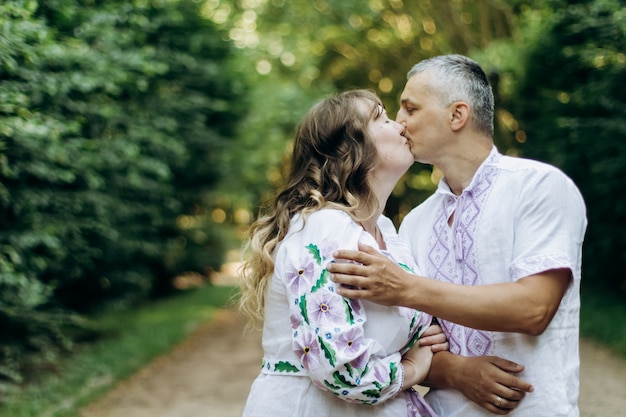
(209, 375)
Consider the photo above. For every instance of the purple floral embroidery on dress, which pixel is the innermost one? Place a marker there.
(325, 308)
(356, 307)
(300, 275)
(329, 340)
(295, 322)
(360, 361)
(327, 248)
(308, 350)
(350, 342)
(381, 373)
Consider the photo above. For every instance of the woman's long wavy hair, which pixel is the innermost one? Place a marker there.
(332, 157)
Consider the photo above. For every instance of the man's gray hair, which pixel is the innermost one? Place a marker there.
(459, 78)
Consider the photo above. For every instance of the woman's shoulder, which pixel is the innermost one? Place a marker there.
(334, 214)
(325, 218)
(323, 230)
(326, 221)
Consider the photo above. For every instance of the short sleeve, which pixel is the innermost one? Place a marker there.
(550, 226)
(328, 329)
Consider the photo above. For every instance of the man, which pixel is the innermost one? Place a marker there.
(502, 238)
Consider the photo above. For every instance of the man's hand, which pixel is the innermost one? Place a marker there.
(526, 305)
(485, 380)
(377, 278)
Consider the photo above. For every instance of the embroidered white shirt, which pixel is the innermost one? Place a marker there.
(325, 355)
(517, 217)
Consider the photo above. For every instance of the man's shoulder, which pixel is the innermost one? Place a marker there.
(531, 173)
(535, 180)
(529, 166)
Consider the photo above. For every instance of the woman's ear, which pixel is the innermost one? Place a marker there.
(459, 116)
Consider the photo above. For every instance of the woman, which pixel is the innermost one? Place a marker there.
(326, 355)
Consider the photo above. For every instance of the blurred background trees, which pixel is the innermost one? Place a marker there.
(113, 117)
(571, 104)
(138, 137)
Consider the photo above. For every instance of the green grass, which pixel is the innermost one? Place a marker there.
(603, 319)
(134, 339)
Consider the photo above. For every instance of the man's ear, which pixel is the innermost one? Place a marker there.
(459, 115)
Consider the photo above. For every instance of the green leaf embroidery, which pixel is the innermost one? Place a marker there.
(394, 370)
(349, 315)
(302, 305)
(283, 366)
(413, 339)
(406, 267)
(331, 386)
(350, 370)
(313, 250)
(341, 380)
(329, 353)
(323, 279)
(365, 370)
(371, 393)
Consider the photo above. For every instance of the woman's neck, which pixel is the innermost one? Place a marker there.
(370, 219)
(375, 232)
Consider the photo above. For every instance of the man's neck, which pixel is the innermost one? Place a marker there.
(459, 170)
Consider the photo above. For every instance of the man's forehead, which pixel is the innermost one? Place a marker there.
(416, 88)
(408, 96)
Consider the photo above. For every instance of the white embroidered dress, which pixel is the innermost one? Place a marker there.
(325, 355)
(516, 218)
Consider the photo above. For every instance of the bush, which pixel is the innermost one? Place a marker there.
(113, 117)
(572, 103)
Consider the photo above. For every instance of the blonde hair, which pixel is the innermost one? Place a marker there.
(332, 156)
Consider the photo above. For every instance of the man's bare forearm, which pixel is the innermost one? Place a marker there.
(440, 370)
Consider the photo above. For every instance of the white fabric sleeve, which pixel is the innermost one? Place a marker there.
(550, 226)
(328, 330)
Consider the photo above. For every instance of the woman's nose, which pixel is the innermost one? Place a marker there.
(401, 127)
(399, 117)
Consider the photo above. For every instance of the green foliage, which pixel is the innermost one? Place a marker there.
(299, 51)
(113, 119)
(602, 319)
(571, 102)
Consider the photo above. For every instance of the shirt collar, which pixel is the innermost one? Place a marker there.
(492, 159)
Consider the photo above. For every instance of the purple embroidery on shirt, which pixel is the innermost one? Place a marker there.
(356, 307)
(351, 341)
(307, 350)
(300, 275)
(541, 263)
(360, 361)
(295, 322)
(381, 373)
(328, 247)
(452, 254)
(325, 308)
(417, 406)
